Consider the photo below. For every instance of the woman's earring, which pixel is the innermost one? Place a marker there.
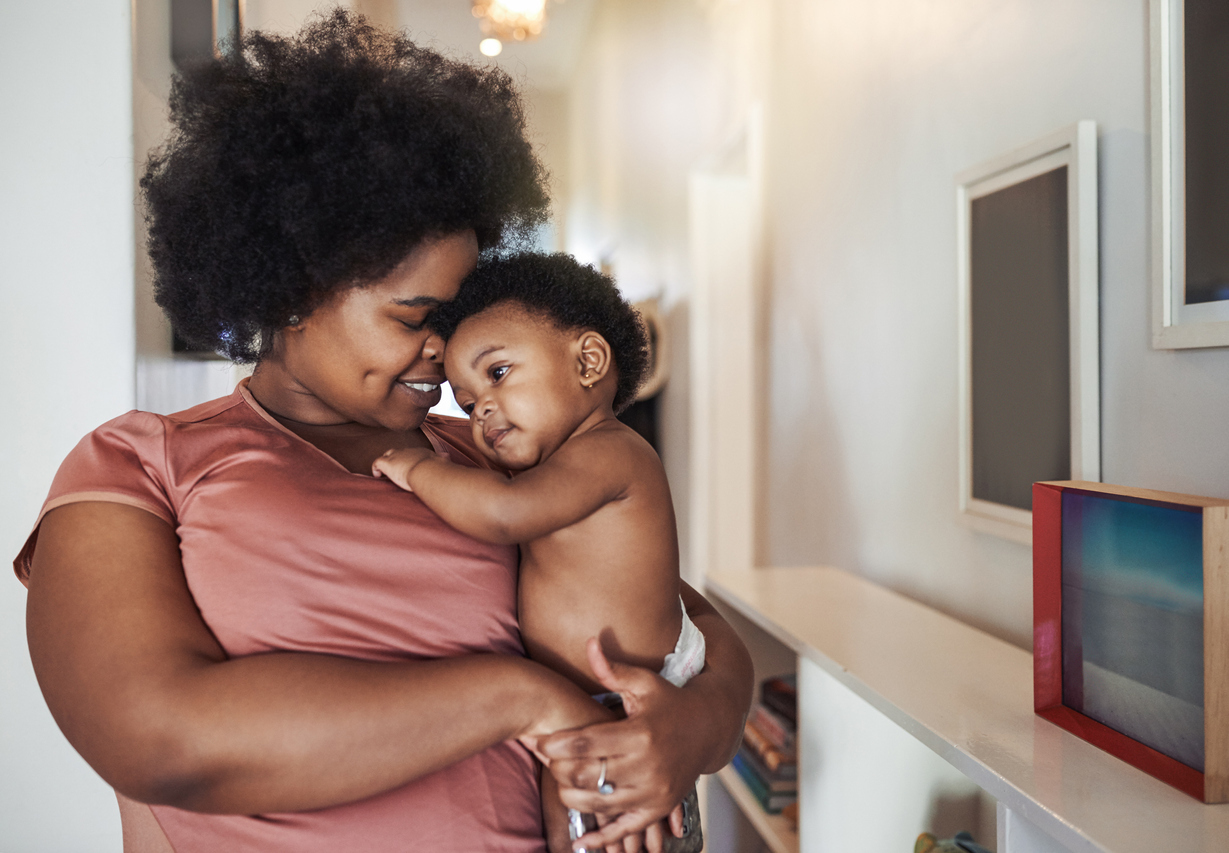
(293, 320)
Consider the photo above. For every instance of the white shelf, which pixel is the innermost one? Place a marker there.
(969, 697)
(777, 832)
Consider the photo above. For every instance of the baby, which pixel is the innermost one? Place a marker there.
(542, 354)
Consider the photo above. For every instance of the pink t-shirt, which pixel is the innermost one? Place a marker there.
(286, 550)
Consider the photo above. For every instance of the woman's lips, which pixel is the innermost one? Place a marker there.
(425, 394)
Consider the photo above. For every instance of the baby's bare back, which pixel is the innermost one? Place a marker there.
(612, 575)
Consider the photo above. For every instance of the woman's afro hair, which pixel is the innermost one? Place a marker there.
(298, 166)
(564, 291)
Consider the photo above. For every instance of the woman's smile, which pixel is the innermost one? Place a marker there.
(366, 355)
(426, 394)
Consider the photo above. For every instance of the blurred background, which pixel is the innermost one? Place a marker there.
(836, 125)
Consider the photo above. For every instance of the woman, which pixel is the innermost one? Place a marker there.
(232, 621)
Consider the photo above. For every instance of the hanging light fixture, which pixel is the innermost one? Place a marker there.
(511, 20)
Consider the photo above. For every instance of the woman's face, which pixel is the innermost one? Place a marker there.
(365, 355)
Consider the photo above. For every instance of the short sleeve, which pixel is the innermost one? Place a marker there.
(454, 437)
(123, 461)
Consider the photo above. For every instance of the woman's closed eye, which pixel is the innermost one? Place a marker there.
(416, 320)
(417, 326)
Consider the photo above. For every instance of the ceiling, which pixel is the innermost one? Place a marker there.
(545, 63)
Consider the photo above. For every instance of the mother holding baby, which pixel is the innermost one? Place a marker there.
(257, 644)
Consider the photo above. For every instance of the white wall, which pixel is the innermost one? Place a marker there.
(66, 222)
(871, 108)
(875, 105)
(649, 99)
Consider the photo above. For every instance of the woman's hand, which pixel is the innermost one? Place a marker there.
(670, 737)
(648, 758)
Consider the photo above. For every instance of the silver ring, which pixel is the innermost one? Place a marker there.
(604, 787)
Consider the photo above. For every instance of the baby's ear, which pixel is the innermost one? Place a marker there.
(593, 358)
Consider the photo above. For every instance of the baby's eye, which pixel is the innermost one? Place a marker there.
(497, 373)
(468, 408)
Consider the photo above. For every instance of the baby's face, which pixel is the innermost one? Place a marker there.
(518, 378)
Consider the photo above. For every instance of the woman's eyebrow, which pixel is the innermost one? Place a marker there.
(419, 302)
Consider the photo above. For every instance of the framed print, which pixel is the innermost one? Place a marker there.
(1029, 334)
(1190, 184)
(1131, 627)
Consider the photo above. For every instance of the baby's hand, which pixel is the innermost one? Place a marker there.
(397, 464)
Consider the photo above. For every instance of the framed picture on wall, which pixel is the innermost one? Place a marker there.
(1131, 627)
(1190, 183)
(1029, 333)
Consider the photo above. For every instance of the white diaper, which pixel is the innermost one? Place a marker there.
(687, 659)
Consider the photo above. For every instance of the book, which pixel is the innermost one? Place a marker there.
(785, 779)
(780, 693)
(773, 726)
(771, 801)
(767, 751)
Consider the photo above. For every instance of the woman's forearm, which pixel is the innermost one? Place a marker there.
(287, 732)
(726, 684)
(142, 689)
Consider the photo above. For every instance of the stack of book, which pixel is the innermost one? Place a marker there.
(768, 758)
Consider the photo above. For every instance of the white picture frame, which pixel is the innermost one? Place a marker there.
(1074, 148)
(1175, 325)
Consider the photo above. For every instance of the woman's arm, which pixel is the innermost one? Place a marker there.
(670, 737)
(144, 692)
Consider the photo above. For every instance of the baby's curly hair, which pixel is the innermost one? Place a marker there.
(564, 291)
(299, 166)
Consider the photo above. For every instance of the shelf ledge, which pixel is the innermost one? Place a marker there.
(969, 697)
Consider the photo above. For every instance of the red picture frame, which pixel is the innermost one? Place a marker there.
(1212, 784)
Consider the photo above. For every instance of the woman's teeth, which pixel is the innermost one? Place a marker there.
(425, 387)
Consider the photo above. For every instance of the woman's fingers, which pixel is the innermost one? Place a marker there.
(675, 821)
(654, 838)
(586, 773)
(632, 683)
(626, 824)
(613, 739)
(591, 802)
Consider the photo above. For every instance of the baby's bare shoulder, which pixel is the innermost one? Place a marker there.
(614, 448)
(612, 437)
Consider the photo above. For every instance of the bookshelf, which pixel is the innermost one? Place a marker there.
(770, 657)
(968, 697)
(777, 832)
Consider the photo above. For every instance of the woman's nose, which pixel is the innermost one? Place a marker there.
(433, 348)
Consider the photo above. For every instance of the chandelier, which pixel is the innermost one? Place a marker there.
(511, 20)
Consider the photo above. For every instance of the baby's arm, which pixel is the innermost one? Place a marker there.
(586, 473)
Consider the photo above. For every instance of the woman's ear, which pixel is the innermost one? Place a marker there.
(593, 357)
